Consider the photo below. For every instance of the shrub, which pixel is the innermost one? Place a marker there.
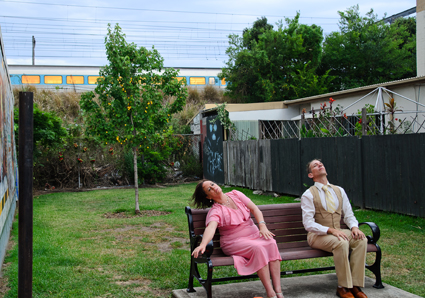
(211, 94)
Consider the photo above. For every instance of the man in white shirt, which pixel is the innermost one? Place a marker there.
(322, 205)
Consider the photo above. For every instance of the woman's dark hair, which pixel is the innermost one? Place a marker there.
(199, 197)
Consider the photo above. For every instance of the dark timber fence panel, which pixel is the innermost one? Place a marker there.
(378, 172)
(265, 165)
(286, 168)
(394, 173)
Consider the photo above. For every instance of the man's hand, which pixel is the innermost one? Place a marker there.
(357, 234)
(337, 233)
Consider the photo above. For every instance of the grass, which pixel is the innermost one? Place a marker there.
(81, 250)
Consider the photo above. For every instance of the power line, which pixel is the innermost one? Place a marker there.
(153, 10)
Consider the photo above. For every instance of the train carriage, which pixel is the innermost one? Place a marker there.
(84, 78)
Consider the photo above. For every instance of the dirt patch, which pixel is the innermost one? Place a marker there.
(140, 281)
(142, 213)
(168, 246)
(3, 282)
(41, 191)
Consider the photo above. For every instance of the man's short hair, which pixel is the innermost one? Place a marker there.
(308, 169)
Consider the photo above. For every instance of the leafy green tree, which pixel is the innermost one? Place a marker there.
(130, 108)
(267, 65)
(405, 29)
(48, 130)
(367, 51)
(259, 27)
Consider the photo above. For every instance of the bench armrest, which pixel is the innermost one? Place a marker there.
(376, 233)
(208, 249)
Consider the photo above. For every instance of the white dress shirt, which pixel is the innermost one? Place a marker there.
(309, 210)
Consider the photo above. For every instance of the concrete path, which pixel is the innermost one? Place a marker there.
(317, 286)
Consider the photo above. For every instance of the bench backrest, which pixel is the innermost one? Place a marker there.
(283, 220)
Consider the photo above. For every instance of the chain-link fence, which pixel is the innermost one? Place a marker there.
(343, 125)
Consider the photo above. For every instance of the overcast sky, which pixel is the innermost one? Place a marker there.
(187, 33)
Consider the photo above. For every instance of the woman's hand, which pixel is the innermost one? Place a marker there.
(264, 232)
(199, 250)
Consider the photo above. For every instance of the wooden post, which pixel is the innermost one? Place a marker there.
(25, 245)
(364, 121)
(302, 122)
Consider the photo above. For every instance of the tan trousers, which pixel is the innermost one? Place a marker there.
(349, 272)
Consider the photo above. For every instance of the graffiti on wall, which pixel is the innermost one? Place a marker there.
(8, 164)
(213, 151)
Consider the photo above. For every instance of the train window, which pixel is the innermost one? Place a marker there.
(223, 81)
(52, 79)
(211, 81)
(30, 79)
(197, 80)
(180, 79)
(75, 80)
(93, 79)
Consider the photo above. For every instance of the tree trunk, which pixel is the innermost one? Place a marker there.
(136, 180)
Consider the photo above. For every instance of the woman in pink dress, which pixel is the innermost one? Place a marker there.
(252, 249)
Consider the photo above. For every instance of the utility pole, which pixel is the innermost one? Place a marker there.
(33, 50)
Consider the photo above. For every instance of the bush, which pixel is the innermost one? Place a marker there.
(211, 94)
(193, 95)
(191, 166)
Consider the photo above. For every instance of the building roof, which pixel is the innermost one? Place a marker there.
(326, 96)
(243, 107)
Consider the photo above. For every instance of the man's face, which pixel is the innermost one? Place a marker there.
(317, 169)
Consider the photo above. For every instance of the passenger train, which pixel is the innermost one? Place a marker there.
(83, 78)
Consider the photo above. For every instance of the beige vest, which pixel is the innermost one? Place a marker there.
(322, 216)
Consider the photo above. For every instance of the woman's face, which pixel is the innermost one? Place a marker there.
(212, 190)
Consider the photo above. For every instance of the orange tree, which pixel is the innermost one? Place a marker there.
(130, 108)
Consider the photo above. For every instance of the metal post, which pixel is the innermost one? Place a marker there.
(25, 194)
(302, 123)
(364, 121)
(33, 50)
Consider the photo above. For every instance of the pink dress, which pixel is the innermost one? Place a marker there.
(240, 237)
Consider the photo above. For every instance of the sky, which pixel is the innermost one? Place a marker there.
(187, 33)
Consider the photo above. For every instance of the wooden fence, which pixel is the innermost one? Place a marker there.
(379, 172)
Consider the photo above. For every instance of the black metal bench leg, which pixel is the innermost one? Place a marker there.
(190, 288)
(208, 282)
(376, 269)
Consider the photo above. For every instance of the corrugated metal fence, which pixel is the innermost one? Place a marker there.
(379, 172)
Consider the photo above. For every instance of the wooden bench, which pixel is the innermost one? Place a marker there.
(283, 220)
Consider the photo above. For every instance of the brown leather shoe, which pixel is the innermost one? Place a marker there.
(344, 293)
(357, 292)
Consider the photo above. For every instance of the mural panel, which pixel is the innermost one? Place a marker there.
(8, 163)
(213, 151)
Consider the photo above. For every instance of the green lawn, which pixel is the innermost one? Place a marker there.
(80, 250)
